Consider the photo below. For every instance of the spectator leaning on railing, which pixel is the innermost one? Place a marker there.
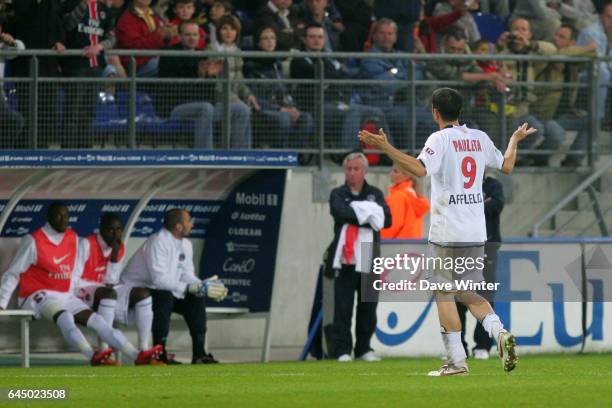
(527, 100)
(139, 28)
(280, 121)
(483, 83)
(241, 97)
(392, 97)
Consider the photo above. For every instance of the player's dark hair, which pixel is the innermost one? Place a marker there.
(448, 102)
(173, 217)
(53, 208)
(108, 218)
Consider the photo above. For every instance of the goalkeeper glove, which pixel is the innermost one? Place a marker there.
(213, 288)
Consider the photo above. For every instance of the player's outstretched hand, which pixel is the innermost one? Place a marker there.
(523, 131)
(372, 139)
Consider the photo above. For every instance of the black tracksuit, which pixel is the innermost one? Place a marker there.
(347, 281)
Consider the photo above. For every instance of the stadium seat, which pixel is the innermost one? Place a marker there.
(147, 120)
(489, 25)
(107, 117)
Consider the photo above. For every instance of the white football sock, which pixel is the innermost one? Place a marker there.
(114, 337)
(106, 309)
(454, 349)
(73, 335)
(143, 314)
(493, 325)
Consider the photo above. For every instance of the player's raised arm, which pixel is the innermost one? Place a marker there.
(402, 160)
(510, 156)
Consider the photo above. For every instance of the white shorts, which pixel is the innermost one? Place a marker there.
(122, 310)
(87, 292)
(49, 302)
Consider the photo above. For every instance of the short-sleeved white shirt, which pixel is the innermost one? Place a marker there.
(456, 158)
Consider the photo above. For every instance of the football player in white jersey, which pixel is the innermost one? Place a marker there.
(455, 157)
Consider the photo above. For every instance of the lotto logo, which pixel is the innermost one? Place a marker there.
(429, 151)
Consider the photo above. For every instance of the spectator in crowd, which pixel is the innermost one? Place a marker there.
(430, 28)
(357, 17)
(37, 23)
(600, 32)
(228, 29)
(564, 107)
(359, 211)
(277, 14)
(88, 27)
(11, 122)
(479, 81)
(139, 28)
(43, 269)
(184, 10)
(392, 98)
(219, 8)
(484, 47)
(192, 102)
(528, 101)
(494, 201)
(577, 13)
(405, 14)
(543, 19)
(318, 11)
(164, 264)
(466, 23)
(408, 206)
(99, 264)
(339, 109)
(283, 122)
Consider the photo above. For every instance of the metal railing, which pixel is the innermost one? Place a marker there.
(131, 126)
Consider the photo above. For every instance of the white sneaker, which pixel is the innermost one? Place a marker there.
(506, 346)
(370, 357)
(481, 354)
(345, 358)
(449, 369)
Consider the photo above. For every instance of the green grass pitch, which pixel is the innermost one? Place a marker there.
(538, 381)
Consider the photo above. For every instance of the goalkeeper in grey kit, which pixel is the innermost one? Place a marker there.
(164, 264)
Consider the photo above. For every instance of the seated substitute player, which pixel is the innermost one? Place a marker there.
(43, 269)
(100, 262)
(164, 264)
(455, 157)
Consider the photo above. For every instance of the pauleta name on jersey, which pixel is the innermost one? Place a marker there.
(465, 198)
(467, 145)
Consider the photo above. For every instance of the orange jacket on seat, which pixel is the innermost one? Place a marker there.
(407, 212)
